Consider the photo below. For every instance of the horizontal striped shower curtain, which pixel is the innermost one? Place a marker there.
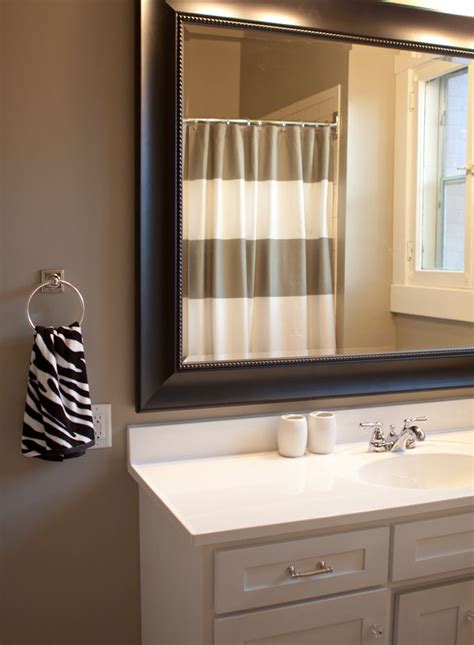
(258, 250)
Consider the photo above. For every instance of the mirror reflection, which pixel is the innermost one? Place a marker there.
(328, 198)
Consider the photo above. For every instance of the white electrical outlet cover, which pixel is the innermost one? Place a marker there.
(102, 418)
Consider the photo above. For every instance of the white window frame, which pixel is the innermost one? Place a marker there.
(434, 293)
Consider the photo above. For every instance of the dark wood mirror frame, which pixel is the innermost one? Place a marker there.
(163, 381)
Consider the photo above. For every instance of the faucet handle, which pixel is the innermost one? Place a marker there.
(376, 426)
(417, 432)
(371, 424)
(377, 440)
(412, 420)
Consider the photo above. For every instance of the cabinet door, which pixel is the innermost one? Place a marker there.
(440, 616)
(355, 619)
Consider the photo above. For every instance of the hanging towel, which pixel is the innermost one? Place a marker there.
(58, 421)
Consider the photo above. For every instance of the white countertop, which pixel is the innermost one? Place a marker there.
(221, 499)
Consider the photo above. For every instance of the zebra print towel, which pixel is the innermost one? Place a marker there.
(58, 422)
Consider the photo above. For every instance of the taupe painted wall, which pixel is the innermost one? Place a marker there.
(69, 532)
(232, 73)
(277, 71)
(418, 332)
(211, 76)
(368, 322)
(69, 536)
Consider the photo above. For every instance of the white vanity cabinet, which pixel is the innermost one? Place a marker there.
(397, 582)
(255, 549)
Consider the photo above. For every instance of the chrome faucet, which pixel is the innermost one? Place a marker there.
(407, 438)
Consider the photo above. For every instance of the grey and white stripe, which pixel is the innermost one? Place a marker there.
(57, 421)
(257, 240)
(257, 153)
(257, 268)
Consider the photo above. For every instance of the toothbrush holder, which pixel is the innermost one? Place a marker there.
(322, 432)
(292, 435)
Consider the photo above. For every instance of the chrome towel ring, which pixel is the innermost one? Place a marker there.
(54, 281)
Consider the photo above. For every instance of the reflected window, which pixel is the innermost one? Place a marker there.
(434, 188)
(444, 172)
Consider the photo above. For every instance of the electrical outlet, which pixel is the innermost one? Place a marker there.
(102, 417)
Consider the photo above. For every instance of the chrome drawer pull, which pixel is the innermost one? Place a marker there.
(321, 567)
(470, 615)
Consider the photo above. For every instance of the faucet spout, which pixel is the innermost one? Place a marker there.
(406, 439)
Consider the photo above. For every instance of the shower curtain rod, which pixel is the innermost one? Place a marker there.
(311, 124)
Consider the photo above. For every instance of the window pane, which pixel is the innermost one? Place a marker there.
(445, 149)
(455, 87)
(453, 238)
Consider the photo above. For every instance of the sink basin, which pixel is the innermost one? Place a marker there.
(420, 471)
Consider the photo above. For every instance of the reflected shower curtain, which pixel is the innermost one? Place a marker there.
(258, 247)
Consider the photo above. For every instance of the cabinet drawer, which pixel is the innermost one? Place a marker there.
(433, 546)
(348, 620)
(257, 576)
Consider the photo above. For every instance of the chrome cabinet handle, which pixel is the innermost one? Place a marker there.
(377, 631)
(470, 615)
(321, 567)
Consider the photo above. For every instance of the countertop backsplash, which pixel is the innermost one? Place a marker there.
(246, 434)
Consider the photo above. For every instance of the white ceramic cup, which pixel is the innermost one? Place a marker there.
(322, 432)
(292, 435)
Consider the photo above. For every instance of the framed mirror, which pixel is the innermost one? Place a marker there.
(306, 215)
